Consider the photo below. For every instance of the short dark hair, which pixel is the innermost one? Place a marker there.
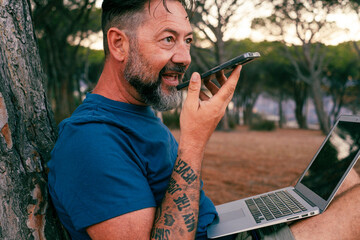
(127, 14)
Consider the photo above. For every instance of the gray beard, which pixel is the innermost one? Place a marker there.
(153, 95)
(138, 74)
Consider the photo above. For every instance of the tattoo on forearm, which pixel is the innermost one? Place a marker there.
(185, 171)
(182, 202)
(189, 221)
(160, 234)
(169, 220)
(158, 214)
(173, 186)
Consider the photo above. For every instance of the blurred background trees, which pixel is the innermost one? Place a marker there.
(303, 79)
(309, 20)
(61, 28)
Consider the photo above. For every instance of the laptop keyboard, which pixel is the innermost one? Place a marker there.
(273, 205)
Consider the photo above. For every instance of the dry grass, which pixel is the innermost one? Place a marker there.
(242, 162)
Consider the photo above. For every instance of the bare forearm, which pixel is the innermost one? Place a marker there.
(177, 216)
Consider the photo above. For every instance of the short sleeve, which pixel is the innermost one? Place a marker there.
(98, 174)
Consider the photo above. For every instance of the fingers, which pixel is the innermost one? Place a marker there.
(211, 86)
(203, 96)
(220, 77)
(193, 90)
(227, 90)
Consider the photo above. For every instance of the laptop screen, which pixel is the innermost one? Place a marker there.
(333, 160)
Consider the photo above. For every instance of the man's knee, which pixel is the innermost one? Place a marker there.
(355, 187)
(351, 180)
(339, 221)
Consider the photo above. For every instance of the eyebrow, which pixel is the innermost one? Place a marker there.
(176, 33)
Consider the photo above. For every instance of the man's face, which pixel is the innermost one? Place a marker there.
(160, 55)
(148, 83)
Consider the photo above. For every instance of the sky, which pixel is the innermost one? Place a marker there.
(348, 30)
(348, 24)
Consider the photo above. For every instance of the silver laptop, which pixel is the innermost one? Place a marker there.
(310, 196)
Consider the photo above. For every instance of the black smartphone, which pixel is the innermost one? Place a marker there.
(227, 67)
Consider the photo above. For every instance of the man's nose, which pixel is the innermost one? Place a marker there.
(182, 55)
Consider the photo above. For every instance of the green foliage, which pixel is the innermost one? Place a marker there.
(60, 26)
(232, 122)
(342, 63)
(342, 71)
(261, 124)
(92, 61)
(171, 119)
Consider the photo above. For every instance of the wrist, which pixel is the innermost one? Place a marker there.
(191, 149)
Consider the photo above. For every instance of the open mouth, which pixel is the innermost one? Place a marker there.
(171, 79)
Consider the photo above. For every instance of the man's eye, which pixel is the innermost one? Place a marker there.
(188, 40)
(169, 39)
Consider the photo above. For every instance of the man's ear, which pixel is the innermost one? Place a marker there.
(118, 43)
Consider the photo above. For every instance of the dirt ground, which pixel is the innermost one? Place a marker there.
(241, 163)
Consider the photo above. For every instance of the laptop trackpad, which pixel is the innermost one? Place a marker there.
(229, 216)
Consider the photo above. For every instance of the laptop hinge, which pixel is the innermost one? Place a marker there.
(305, 198)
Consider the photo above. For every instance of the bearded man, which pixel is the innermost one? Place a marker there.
(116, 171)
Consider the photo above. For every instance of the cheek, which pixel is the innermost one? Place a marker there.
(159, 61)
(156, 57)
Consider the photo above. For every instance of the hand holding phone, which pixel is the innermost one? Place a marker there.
(227, 67)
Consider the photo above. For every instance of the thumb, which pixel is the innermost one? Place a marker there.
(194, 88)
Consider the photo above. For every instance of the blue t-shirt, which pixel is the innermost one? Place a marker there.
(112, 158)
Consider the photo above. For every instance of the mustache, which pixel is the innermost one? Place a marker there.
(179, 68)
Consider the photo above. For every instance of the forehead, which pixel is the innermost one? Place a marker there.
(157, 16)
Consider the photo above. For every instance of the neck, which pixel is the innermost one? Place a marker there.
(114, 86)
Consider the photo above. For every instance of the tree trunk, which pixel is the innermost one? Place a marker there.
(248, 113)
(300, 117)
(319, 106)
(300, 98)
(281, 111)
(249, 107)
(27, 132)
(357, 48)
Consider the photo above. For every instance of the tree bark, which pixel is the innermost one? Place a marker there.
(357, 48)
(323, 118)
(282, 119)
(300, 98)
(249, 104)
(27, 131)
